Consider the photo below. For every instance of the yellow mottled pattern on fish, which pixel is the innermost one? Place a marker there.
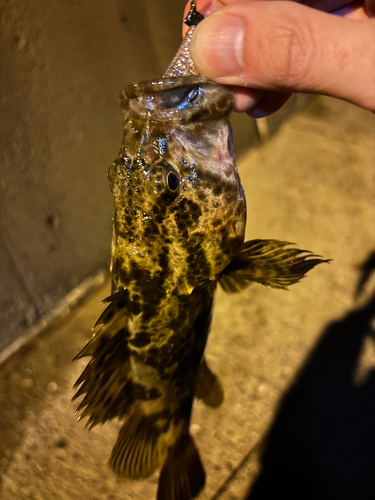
(178, 231)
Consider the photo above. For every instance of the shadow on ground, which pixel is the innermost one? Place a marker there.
(322, 442)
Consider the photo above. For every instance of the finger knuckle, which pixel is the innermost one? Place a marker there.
(292, 53)
(362, 88)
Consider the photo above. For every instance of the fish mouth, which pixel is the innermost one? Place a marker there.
(139, 89)
(179, 100)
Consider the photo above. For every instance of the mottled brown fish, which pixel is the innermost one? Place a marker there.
(178, 232)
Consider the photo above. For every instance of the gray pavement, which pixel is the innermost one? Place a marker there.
(286, 368)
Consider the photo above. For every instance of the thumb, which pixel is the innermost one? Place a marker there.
(287, 46)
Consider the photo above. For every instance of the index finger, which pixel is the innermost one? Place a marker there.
(208, 7)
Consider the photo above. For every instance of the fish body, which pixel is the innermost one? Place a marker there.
(178, 231)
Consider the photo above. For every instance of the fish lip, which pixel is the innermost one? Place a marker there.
(141, 100)
(139, 89)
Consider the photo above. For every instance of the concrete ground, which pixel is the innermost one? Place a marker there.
(298, 420)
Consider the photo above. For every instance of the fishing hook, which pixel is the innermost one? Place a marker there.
(194, 17)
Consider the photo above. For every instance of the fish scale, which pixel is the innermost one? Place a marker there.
(178, 233)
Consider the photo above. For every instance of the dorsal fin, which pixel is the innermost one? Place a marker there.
(106, 380)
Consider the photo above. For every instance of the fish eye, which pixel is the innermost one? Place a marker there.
(173, 182)
(167, 180)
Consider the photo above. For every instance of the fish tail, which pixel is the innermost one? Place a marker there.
(146, 442)
(182, 476)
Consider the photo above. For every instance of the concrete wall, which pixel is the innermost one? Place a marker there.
(63, 65)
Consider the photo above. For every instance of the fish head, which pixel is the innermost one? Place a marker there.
(179, 205)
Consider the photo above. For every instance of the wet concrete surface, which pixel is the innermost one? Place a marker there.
(298, 419)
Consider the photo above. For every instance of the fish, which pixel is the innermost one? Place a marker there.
(178, 233)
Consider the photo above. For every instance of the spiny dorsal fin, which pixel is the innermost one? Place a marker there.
(182, 476)
(139, 448)
(268, 262)
(106, 380)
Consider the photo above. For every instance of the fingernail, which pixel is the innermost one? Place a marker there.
(217, 46)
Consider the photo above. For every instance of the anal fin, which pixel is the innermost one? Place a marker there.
(182, 476)
(209, 388)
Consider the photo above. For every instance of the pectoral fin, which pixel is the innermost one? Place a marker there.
(269, 262)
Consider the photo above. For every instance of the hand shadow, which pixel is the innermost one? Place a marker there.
(321, 445)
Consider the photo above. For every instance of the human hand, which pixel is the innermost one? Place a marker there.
(269, 49)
